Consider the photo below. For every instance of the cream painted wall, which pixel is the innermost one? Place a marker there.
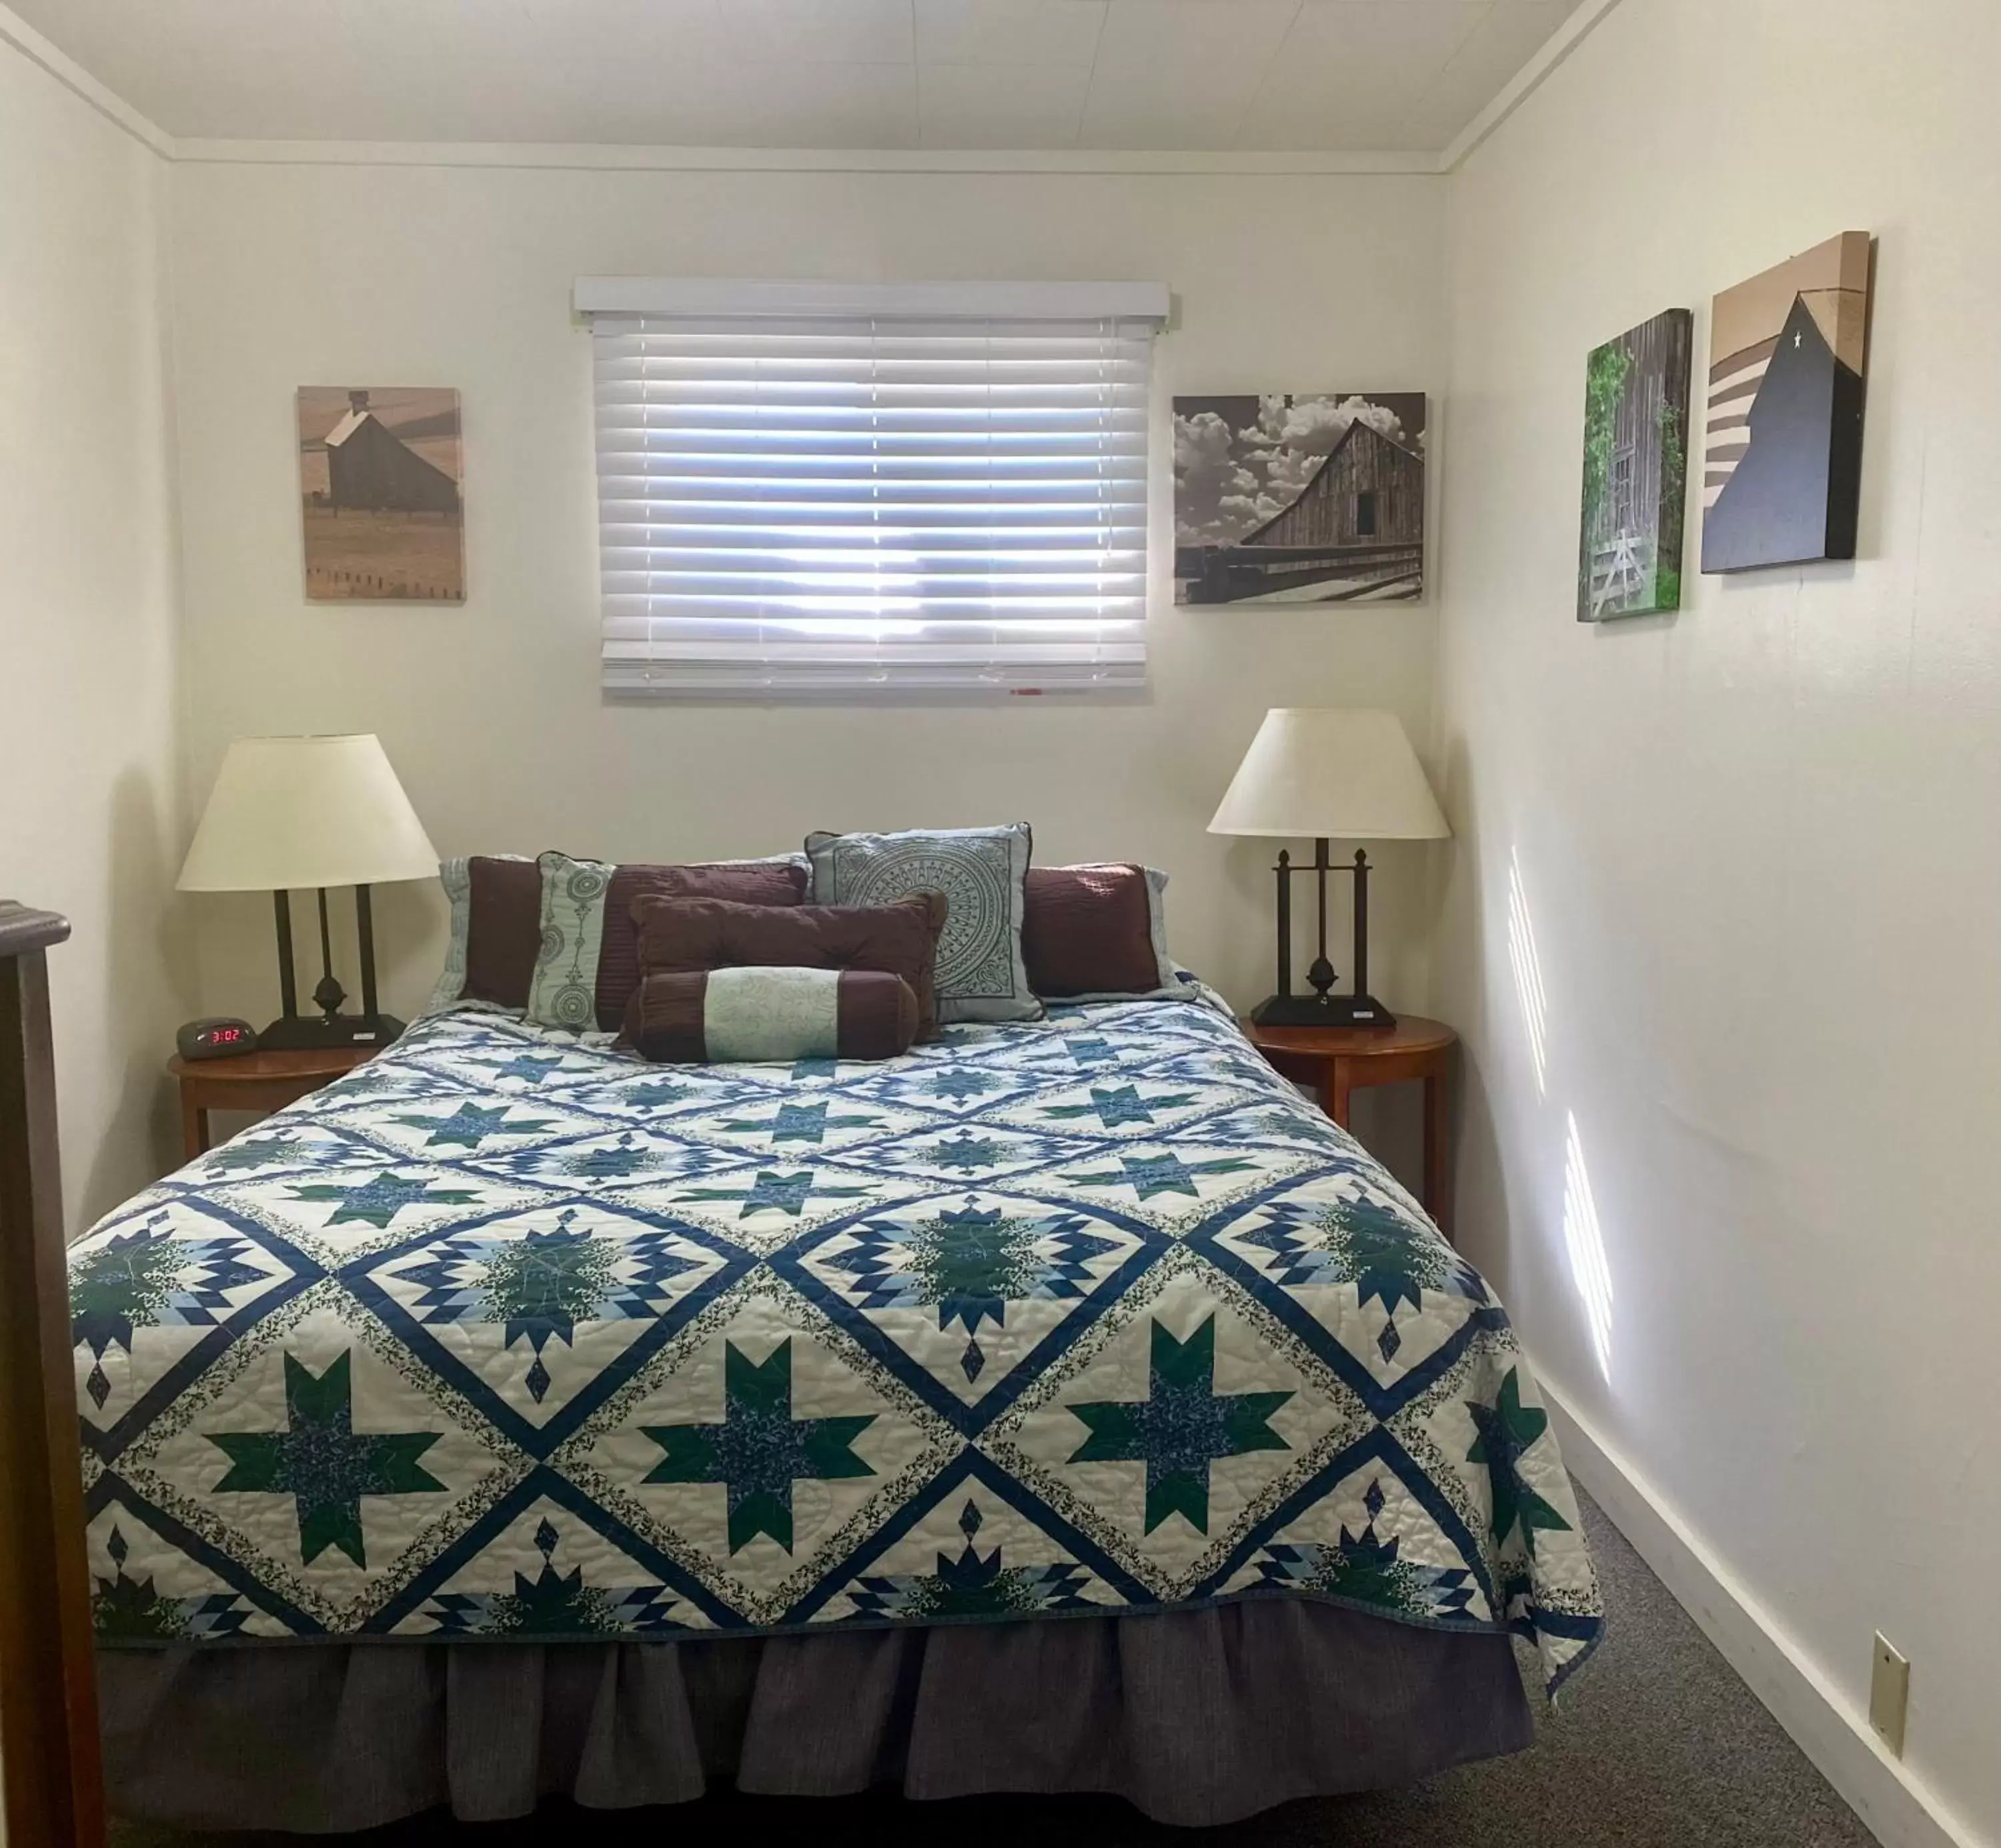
(89, 819)
(297, 275)
(1757, 844)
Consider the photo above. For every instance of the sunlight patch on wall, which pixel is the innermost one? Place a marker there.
(1528, 968)
(1586, 1240)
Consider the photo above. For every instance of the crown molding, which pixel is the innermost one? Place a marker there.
(16, 31)
(623, 158)
(1526, 82)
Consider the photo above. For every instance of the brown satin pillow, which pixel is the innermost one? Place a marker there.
(753, 882)
(503, 930)
(1088, 930)
(680, 935)
(683, 1018)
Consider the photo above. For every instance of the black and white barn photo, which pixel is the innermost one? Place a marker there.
(1284, 499)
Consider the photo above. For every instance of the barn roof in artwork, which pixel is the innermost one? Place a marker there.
(1327, 461)
(347, 426)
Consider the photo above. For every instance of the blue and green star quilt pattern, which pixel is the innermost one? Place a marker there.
(508, 1334)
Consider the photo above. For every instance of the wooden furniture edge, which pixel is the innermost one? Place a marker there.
(1340, 1061)
(53, 1781)
(256, 1083)
(22, 928)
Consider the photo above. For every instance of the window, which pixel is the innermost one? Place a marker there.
(1365, 514)
(831, 489)
(1622, 490)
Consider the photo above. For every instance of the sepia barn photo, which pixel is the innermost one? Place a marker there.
(379, 475)
(1299, 500)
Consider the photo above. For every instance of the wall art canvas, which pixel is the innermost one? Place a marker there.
(1782, 470)
(379, 475)
(1287, 499)
(1636, 411)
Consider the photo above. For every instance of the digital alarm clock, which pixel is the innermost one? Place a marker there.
(216, 1038)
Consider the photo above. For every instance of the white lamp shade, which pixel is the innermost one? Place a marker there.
(1332, 773)
(290, 813)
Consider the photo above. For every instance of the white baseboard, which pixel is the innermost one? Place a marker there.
(1900, 1810)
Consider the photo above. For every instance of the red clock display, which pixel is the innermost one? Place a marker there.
(218, 1038)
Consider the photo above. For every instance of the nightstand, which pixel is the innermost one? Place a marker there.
(254, 1081)
(1337, 1060)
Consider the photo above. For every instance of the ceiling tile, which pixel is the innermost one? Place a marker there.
(829, 106)
(1350, 72)
(1009, 32)
(680, 103)
(860, 31)
(1179, 73)
(1504, 41)
(606, 30)
(1001, 105)
(392, 69)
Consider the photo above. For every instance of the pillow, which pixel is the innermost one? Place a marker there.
(756, 882)
(496, 921)
(504, 931)
(980, 975)
(718, 1015)
(588, 963)
(683, 935)
(1094, 930)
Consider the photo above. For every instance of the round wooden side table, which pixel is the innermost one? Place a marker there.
(254, 1081)
(1337, 1060)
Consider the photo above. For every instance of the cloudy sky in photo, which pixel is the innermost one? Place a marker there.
(1240, 461)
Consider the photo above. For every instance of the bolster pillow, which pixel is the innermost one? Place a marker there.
(680, 936)
(749, 1015)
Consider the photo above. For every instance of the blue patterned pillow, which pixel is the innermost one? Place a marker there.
(564, 993)
(980, 974)
(584, 973)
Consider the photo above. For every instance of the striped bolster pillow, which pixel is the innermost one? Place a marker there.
(731, 1016)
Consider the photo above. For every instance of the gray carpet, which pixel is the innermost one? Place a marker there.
(1657, 1744)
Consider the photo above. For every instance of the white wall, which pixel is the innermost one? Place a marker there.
(90, 820)
(1758, 843)
(289, 275)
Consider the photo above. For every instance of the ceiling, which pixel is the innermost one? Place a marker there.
(1276, 75)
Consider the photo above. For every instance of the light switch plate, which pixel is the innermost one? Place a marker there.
(1889, 1694)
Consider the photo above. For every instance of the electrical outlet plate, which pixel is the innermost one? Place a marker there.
(1889, 1694)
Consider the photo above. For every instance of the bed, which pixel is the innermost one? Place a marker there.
(1067, 1405)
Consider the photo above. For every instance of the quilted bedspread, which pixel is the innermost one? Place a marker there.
(509, 1335)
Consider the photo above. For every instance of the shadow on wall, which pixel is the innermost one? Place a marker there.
(148, 978)
(1482, 1210)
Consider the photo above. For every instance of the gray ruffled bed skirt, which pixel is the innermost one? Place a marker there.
(1196, 1716)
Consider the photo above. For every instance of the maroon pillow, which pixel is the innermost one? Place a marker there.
(1088, 930)
(503, 930)
(680, 935)
(669, 1019)
(753, 882)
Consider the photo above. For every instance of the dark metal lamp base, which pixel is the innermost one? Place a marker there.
(329, 1030)
(320, 1032)
(1362, 1011)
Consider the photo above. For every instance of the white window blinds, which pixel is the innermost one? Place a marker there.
(814, 488)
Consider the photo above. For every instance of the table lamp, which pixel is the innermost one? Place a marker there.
(1322, 773)
(290, 813)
